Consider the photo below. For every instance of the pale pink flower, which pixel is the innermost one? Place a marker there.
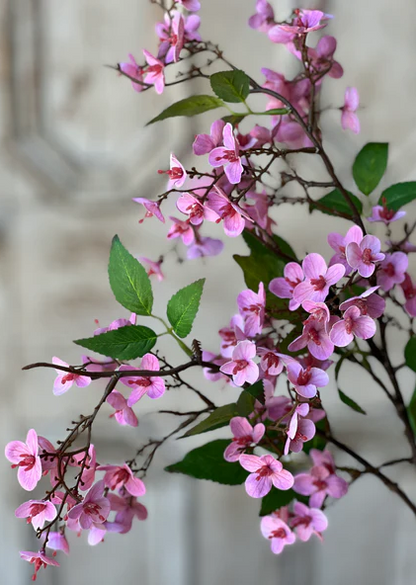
(323, 459)
(278, 532)
(152, 208)
(318, 484)
(409, 291)
(121, 476)
(232, 215)
(154, 74)
(305, 431)
(362, 256)
(392, 270)
(263, 20)
(352, 324)
(177, 174)
(126, 509)
(265, 472)
(90, 466)
(228, 156)
(93, 510)
(308, 521)
(123, 414)
(212, 375)
(251, 306)
(204, 246)
(272, 362)
(241, 366)
(231, 335)
(385, 215)
(153, 268)
(36, 512)
(339, 243)
(322, 57)
(306, 380)
(64, 380)
(349, 119)
(244, 436)
(132, 69)
(154, 387)
(197, 211)
(25, 457)
(318, 278)
(38, 559)
(204, 143)
(191, 5)
(172, 36)
(315, 337)
(368, 302)
(306, 21)
(181, 229)
(58, 541)
(283, 287)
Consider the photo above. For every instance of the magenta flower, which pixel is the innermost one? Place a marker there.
(283, 287)
(38, 559)
(308, 521)
(339, 243)
(318, 279)
(409, 291)
(58, 541)
(172, 36)
(319, 312)
(133, 70)
(181, 229)
(349, 119)
(251, 307)
(153, 268)
(93, 510)
(263, 20)
(322, 58)
(306, 380)
(155, 72)
(25, 457)
(121, 476)
(305, 431)
(36, 512)
(191, 5)
(204, 246)
(231, 335)
(123, 414)
(197, 211)
(127, 509)
(382, 213)
(352, 323)
(204, 143)
(278, 532)
(152, 208)
(362, 256)
(176, 173)
(266, 472)
(228, 156)
(271, 362)
(323, 459)
(315, 338)
(154, 387)
(306, 21)
(368, 302)
(393, 270)
(318, 484)
(232, 215)
(244, 436)
(277, 35)
(64, 380)
(241, 366)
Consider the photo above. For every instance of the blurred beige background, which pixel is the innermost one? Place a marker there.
(74, 151)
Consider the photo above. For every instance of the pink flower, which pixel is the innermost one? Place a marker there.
(409, 291)
(58, 541)
(204, 143)
(251, 307)
(231, 335)
(306, 380)
(315, 338)
(153, 268)
(362, 256)
(172, 36)
(305, 21)
(191, 5)
(339, 243)
(266, 472)
(232, 215)
(127, 509)
(271, 362)
(36, 512)
(88, 474)
(196, 210)
(368, 302)
(322, 57)
(123, 414)
(382, 213)
(133, 70)
(152, 208)
(177, 174)
(64, 380)
(352, 323)
(308, 521)
(228, 156)
(181, 229)
(349, 119)
(154, 387)
(117, 477)
(318, 279)
(242, 367)
(318, 484)
(38, 559)
(300, 430)
(263, 20)
(278, 532)
(393, 270)
(323, 459)
(154, 73)
(244, 436)
(204, 246)
(25, 457)
(115, 325)
(283, 287)
(93, 510)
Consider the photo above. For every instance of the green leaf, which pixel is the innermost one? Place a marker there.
(191, 106)
(335, 201)
(276, 112)
(234, 119)
(410, 353)
(257, 391)
(350, 402)
(370, 165)
(275, 499)
(411, 412)
(207, 462)
(245, 403)
(129, 281)
(217, 419)
(125, 343)
(398, 195)
(285, 247)
(183, 307)
(231, 86)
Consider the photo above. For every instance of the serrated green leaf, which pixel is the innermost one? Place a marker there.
(275, 499)
(129, 280)
(335, 201)
(350, 402)
(231, 86)
(245, 403)
(207, 462)
(217, 419)
(191, 106)
(398, 195)
(370, 165)
(411, 412)
(410, 353)
(125, 343)
(183, 307)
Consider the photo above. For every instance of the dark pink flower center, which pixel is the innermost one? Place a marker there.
(38, 564)
(271, 360)
(293, 283)
(313, 336)
(252, 309)
(367, 256)
(264, 471)
(174, 173)
(228, 336)
(318, 283)
(304, 376)
(301, 520)
(27, 461)
(35, 509)
(155, 69)
(68, 378)
(349, 325)
(145, 382)
(362, 305)
(279, 533)
(320, 484)
(387, 214)
(300, 437)
(120, 477)
(389, 269)
(243, 441)
(239, 365)
(229, 155)
(92, 509)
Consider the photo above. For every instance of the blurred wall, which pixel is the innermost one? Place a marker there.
(74, 151)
